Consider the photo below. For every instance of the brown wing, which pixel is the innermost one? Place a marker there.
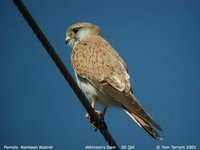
(95, 60)
(145, 125)
(127, 101)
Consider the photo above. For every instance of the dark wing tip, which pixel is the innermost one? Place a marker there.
(157, 126)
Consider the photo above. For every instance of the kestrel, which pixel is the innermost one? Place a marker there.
(102, 74)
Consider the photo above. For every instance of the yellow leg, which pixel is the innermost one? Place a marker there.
(93, 105)
(93, 102)
(100, 114)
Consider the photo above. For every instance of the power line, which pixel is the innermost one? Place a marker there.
(100, 124)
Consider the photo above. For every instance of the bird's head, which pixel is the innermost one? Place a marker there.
(79, 31)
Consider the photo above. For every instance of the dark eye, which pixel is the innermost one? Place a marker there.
(76, 30)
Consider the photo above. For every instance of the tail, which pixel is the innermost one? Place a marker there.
(145, 125)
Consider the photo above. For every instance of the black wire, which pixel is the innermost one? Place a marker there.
(100, 124)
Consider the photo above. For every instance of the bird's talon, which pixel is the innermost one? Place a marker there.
(93, 123)
(94, 126)
(87, 116)
(99, 113)
(95, 129)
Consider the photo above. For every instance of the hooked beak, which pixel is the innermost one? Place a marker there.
(67, 39)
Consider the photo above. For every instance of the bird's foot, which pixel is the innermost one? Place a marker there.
(99, 113)
(93, 123)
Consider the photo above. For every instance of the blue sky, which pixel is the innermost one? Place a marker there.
(159, 41)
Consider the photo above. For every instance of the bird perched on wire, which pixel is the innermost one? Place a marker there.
(102, 74)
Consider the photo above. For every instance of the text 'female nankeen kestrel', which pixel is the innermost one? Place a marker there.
(102, 74)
